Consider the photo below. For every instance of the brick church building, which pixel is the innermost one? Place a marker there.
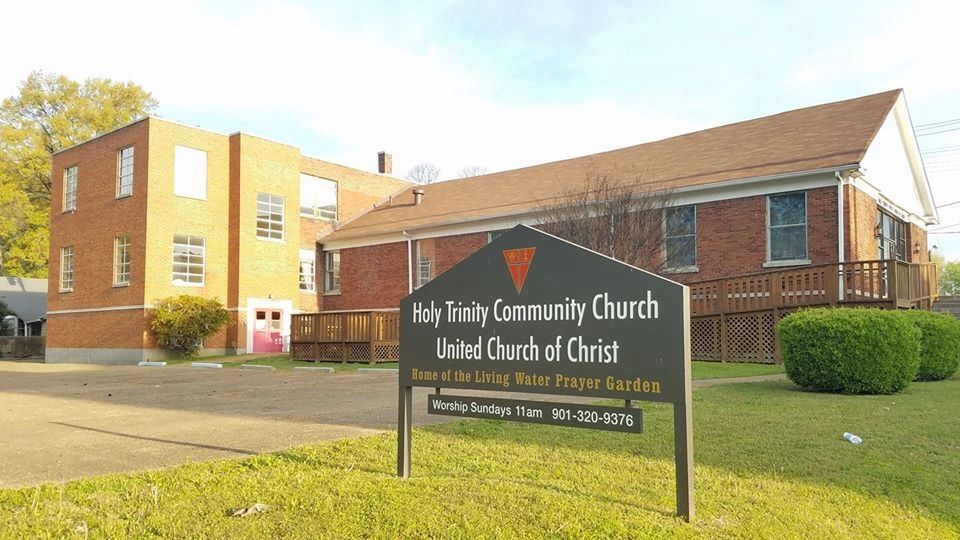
(832, 183)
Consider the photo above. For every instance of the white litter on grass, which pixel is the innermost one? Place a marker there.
(205, 365)
(852, 438)
(151, 364)
(250, 510)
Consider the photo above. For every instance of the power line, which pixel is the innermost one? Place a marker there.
(929, 125)
(936, 132)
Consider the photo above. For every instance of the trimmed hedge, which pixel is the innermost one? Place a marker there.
(851, 351)
(939, 344)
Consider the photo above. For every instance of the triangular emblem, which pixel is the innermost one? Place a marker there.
(518, 263)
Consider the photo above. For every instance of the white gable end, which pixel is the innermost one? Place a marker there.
(892, 166)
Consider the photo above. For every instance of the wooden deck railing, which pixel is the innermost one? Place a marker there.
(734, 318)
(346, 336)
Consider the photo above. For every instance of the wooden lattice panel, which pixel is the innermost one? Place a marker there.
(387, 352)
(751, 337)
(303, 351)
(705, 338)
(358, 352)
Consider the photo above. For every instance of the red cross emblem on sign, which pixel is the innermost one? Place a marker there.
(518, 263)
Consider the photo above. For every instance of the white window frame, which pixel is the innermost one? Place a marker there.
(270, 204)
(331, 272)
(666, 258)
(423, 265)
(191, 242)
(806, 232)
(70, 188)
(67, 263)
(122, 261)
(317, 212)
(493, 235)
(189, 187)
(308, 281)
(124, 173)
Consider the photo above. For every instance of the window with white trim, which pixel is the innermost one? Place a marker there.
(121, 260)
(331, 271)
(189, 172)
(318, 197)
(308, 270)
(269, 216)
(680, 237)
(493, 235)
(125, 172)
(70, 188)
(425, 261)
(787, 227)
(188, 259)
(66, 269)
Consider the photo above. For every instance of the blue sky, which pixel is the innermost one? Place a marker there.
(502, 84)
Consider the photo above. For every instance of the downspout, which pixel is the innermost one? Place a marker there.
(409, 262)
(840, 231)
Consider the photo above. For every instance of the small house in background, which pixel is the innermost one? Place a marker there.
(26, 299)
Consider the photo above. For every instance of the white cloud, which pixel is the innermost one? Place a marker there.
(353, 88)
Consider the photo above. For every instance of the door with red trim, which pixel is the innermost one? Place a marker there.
(267, 330)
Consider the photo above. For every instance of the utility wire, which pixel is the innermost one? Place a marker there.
(929, 125)
(936, 132)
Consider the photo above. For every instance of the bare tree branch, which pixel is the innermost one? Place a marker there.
(423, 173)
(616, 216)
(472, 170)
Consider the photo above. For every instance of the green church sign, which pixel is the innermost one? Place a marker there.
(534, 314)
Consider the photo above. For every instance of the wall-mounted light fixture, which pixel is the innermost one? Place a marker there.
(878, 231)
(916, 247)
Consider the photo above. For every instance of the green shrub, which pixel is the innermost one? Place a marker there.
(939, 344)
(180, 323)
(852, 351)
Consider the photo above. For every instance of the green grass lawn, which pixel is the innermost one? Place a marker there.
(770, 463)
(718, 370)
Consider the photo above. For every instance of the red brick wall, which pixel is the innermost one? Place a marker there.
(376, 276)
(860, 236)
(731, 240)
(916, 234)
(732, 235)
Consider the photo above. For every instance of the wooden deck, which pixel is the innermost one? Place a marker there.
(734, 318)
(346, 336)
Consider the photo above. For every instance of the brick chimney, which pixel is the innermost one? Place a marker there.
(384, 163)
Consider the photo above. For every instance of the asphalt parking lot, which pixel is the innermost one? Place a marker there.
(61, 422)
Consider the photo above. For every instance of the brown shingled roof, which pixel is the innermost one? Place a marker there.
(820, 137)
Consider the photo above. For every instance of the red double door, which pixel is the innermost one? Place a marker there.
(268, 331)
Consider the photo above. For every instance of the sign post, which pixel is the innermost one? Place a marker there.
(533, 313)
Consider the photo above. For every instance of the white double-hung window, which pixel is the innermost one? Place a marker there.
(188, 260)
(331, 272)
(121, 261)
(308, 271)
(787, 227)
(125, 172)
(680, 237)
(269, 216)
(66, 269)
(318, 197)
(189, 172)
(70, 188)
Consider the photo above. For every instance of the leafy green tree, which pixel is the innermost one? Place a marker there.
(181, 322)
(51, 112)
(4, 311)
(948, 280)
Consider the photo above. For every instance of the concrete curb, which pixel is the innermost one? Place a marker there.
(205, 365)
(152, 364)
(319, 369)
(257, 366)
(387, 370)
